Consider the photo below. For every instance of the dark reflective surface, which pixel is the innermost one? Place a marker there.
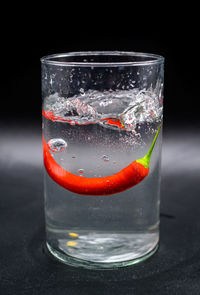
(26, 268)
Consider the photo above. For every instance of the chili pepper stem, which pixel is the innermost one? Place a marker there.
(145, 161)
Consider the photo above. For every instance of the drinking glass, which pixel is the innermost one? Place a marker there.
(102, 131)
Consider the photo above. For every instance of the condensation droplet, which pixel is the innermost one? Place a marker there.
(114, 162)
(81, 170)
(105, 158)
(73, 157)
(57, 145)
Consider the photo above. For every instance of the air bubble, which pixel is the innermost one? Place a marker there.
(81, 170)
(105, 158)
(82, 92)
(57, 145)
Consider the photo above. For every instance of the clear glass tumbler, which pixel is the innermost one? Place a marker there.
(102, 129)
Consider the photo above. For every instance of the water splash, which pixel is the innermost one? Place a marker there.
(121, 109)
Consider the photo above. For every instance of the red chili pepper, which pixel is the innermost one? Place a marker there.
(116, 183)
(115, 122)
(50, 116)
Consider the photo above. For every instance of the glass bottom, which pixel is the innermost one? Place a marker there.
(86, 258)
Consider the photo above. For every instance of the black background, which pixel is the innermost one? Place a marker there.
(168, 31)
(29, 32)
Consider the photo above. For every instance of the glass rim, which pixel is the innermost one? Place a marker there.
(152, 59)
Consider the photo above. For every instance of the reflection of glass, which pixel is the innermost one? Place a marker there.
(101, 112)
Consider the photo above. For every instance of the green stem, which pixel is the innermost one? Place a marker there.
(145, 161)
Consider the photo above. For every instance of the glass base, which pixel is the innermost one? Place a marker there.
(72, 261)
